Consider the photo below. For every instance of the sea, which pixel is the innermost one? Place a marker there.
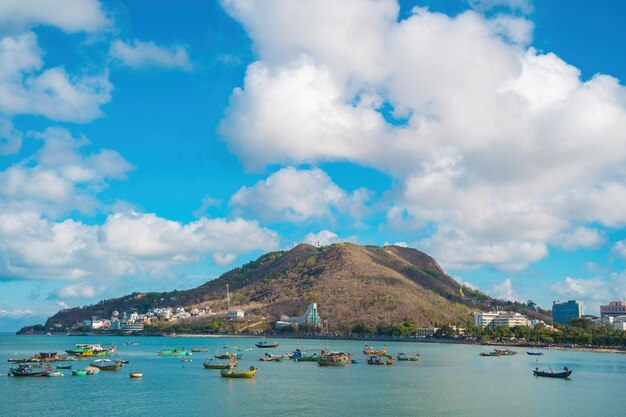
(449, 380)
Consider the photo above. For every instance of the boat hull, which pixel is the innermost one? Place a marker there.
(561, 375)
(248, 374)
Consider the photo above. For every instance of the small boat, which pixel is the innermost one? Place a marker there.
(354, 361)
(125, 362)
(402, 356)
(334, 359)
(534, 353)
(300, 355)
(565, 374)
(248, 374)
(380, 360)
(136, 375)
(107, 364)
(199, 349)
(506, 352)
(369, 351)
(226, 355)
(264, 344)
(186, 360)
(173, 352)
(211, 364)
(495, 353)
(79, 372)
(92, 370)
(54, 373)
(28, 370)
(268, 359)
(64, 366)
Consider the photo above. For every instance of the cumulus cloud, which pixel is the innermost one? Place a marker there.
(61, 177)
(76, 290)
(68, 15)
(493, 140)
(10, 138)
(468, 284)
(619, 249)
(593, 291)
(580, 237)
(322, 238)
(524, 6)
(26, 87)
(504, 291)
(62, 305)
(15, 314)
(137, 54)
(298, 195)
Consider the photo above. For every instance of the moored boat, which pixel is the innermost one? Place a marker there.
(64, 366)
(369, 351)
(506, 352)
(199, 349)
(79, 372)
(107, 364)
(136, 375)
(380, 360)
(494, 353)
(28, 370)
(551, 374)
(402, 356)
(248, 374)
(534, 353)
(166, 351)
(334, 359)
(264, 344)
(53, 373)
(300, 355)
(211, 364)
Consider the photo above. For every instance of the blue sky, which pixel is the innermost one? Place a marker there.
(153, 146)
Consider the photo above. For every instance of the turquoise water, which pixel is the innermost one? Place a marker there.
(448, 381)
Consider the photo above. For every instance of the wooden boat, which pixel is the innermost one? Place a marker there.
(226, 355)
(186, 360)
(136, 375)
(300, 355)
(268, 359)
(369, 351)
(54, 373)
(506, 352)
(92, 370)
(354, 361)
(402, 356)
(264, 344)
(565, 374)
(248, 374)
(64, 366)
(79, 372)
(210, 364)
(106, 364)
(495, 353)
(199, 349)
(534, 353)
(27, 370)
(173, 352)
(334, 359)
(380, 360)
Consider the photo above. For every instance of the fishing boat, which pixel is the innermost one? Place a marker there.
(211, 364)
(64, 366)
(79, 372)
(551, 374)
(173, 352)
(369, 351)
(92, 370)
(506, 352)
(136, 375)
(248, 374)
(226, 355)
(107, 364)
(53, 373)
(199, 349)
(87, 350)
(268, 359)
(354, 361)
(380, 360)
(28, 370)
(300, 355)
(402, 356)
(494, 353)
(334, 359)
(264, 344)
(534, 353)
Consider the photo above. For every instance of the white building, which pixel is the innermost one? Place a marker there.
(236, 314)
(494, 319)
(423, 332)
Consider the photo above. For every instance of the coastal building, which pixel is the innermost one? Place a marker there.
(494, 319)
(614, 309)
(563, 312)
(423, 332)
(239, 314)
(310, 317)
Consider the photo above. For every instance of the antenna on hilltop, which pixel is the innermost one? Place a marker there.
(227, 298)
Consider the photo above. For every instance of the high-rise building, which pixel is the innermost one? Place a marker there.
(563, 312)
(614, 309)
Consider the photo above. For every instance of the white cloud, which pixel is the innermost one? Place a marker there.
(524, 6)
(76, 290)
(619, 249)
(468, 284)
(68, 15)
(15, 314)
(580, 237)
(504, 291)
(501, 144)
(206, 203)
(62, 305)
(298, 195)
(593, 291)
(137, 54)
(60, 177)
(10, 138)
(27, 88)
(322, 238)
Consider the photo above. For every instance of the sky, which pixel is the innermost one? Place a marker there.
(153, 145)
